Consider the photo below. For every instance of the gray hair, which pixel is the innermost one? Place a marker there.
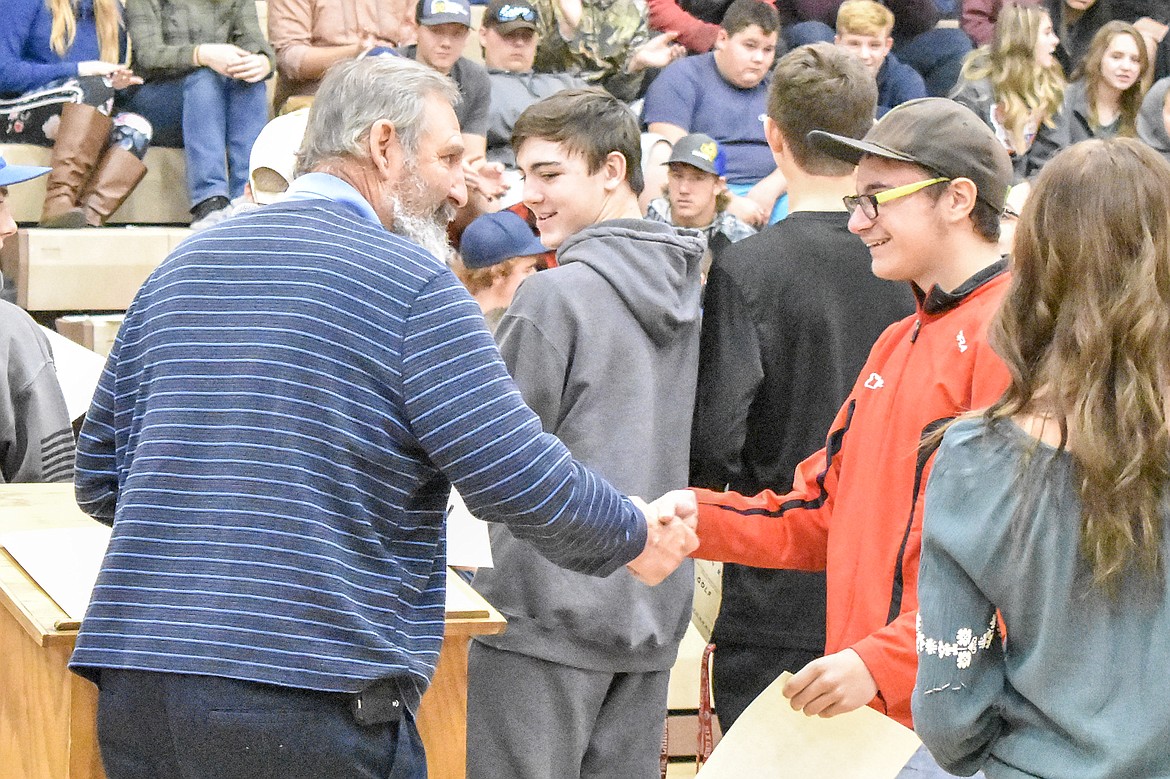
(356, 93)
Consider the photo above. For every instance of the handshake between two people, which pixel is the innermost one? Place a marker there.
(670, 535)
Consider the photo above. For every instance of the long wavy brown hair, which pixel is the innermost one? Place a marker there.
(108, 16)
(1022, 88)
(1085, 334)
(1090, 71)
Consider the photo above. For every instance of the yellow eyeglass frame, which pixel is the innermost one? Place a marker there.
(853, 202)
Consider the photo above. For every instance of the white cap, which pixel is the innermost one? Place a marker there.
(274, 156)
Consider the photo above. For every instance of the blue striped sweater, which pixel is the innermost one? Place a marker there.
(273, 439)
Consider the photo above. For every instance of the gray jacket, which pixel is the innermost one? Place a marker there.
(605, 349)
(511, 94)
(1150, 126)
(36, 437)
(1070, 125)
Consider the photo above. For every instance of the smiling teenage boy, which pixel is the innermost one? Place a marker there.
(604, 348)
(932, 180)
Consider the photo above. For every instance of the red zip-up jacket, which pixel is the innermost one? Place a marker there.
(855, 510)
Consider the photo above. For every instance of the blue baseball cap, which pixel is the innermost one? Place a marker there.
(495, 238)
(14, 174)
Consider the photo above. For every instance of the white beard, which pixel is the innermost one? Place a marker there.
(427, 230)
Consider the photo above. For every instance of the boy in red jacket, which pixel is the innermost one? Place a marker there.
(932, 181)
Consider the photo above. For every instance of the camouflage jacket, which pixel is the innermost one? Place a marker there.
(609, 32)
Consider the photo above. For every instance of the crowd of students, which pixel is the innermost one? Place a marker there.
(904, 445)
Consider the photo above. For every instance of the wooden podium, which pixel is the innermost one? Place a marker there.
(48, 715)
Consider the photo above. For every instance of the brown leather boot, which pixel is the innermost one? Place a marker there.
(115, 178)
(83, 135)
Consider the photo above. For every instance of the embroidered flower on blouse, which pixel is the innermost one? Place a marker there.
(964, 648)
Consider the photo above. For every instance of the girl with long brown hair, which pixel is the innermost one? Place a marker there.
(1104, 97)
(1043, 608)
(62, 69)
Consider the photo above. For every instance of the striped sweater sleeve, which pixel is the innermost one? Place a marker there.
(470, 419)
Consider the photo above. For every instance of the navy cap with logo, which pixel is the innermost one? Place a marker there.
(937, 134)
(700, 151)
(494, 238)
(504, 16)
(432, 12)
(14, 174)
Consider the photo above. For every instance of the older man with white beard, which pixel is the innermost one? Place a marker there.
(273, 439)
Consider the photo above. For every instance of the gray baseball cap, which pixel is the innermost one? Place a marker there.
(940, 135)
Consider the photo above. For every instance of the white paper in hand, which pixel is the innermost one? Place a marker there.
(772, 741)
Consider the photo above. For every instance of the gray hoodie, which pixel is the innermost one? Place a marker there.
(605, 350)
(36, 437)
(1150, 127)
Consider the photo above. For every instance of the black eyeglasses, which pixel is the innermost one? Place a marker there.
(510, 13)
(869, 203)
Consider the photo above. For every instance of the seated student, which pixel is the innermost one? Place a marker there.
(1152, 19)
(1153, 122)
(61, 85)
(607, 44)
(696, 195)
(935, 52)
(864, 27)
(212, 53)
(311, 35)
(696, 22)
(724, 94)
(443, 27)
(1104, 98)
(1039, 519)
(497, 252)
(36, 437)
(1076, 22)
(508, 36)
(978, 18)
(1015, 84)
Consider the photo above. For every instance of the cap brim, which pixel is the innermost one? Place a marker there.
(504, 28)
(15, 174)
(712, 171)
(435, 21)
(852, 149)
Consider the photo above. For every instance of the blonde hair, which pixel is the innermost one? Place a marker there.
(107, 16)
(864, 17)
(1085, 335)
(1090, 71)
(1023, 91)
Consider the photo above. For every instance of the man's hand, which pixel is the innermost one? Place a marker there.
(831, 685)
(670, 537)
(658, 52)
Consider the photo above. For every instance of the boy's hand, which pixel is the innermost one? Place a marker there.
(831, 685)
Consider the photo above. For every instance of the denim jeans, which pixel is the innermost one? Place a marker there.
(161, 102)
(158, 725)
(221, 119)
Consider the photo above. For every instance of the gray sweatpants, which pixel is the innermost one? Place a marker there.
(533, 719)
